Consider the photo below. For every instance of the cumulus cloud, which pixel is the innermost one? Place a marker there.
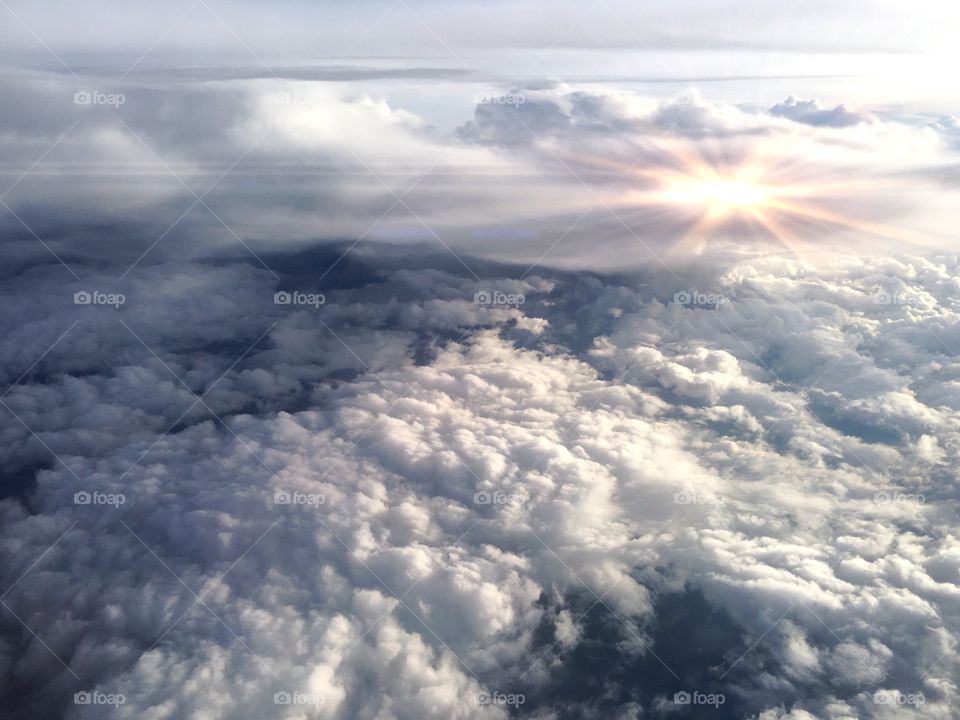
(477, 495)
(811, 112)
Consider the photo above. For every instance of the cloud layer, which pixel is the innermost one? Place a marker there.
(353, 365)
(244, 167)
(479, 493)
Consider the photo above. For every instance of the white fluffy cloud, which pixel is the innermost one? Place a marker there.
(803, 488)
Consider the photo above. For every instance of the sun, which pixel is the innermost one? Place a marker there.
(717, 194)
(766, 192)
(745, 193)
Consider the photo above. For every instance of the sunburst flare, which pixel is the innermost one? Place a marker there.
(768, 190)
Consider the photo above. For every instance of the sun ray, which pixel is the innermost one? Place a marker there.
(789, 240)
(764, 183)
(815, 213)
(693, 237)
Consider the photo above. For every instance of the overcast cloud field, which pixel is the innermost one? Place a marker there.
(411, 360)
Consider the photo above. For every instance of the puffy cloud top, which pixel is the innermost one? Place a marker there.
(811, 112)
(409, 498)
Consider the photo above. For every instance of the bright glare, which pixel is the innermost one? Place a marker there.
(759, 192)
(732, 192)
(718, 194)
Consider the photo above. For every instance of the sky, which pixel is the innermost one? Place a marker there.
(406, 360)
